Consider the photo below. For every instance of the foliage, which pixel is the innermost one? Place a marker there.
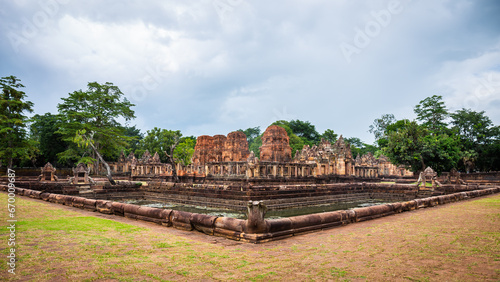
(413, 146)
(379, 126)
(251, 133)
(14, 144)
(161, 140)
(96, 111)
(305, 130)
(184, 151)
(134, 140)
(404, 146)
(255, 146)
(43, 131)
(254, 139)
(358, 147)
(475, 128)
(479, 138)
(432, 112)
(329, 135)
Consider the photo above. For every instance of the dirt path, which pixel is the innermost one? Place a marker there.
(454, 242)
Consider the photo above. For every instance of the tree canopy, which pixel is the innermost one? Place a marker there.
(468, 141)
(14, 143)
(432, 113)
(88, 129)
(96, 111)
(43, 130)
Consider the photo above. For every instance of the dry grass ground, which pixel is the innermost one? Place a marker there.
(454, 242)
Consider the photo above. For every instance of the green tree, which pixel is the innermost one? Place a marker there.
(412, 145)
(255, 146)
(432, 112)
(330, 136)
(251, 133)
(379, 126)
(358, 147)
(185, 150)
(43, 130)
(442, 151)
(475, 128)
(96, 112)
(305, 129)
(404, 146)
(14, 143)
(82, 139)
(134, 142)
(164, 141)
(393, 127)
(254, 139)
(479, 137)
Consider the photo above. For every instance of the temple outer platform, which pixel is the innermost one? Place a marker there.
(255, 229)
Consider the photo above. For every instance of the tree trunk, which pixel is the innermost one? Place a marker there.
(110, 177)
(422, 161)
(174, 167)
(172, 161)
(11, 159)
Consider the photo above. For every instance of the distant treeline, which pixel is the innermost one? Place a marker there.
(87, 126)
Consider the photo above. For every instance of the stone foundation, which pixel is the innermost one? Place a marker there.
(256, 229)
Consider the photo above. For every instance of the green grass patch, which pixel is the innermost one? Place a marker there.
(338, 272)
(80, 223)
(164, 245)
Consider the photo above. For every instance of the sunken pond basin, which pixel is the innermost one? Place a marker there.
(270, 214)
(255, 213)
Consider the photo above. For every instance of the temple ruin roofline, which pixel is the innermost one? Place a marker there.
(221, 155)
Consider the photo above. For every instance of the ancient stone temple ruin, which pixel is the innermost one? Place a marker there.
(81, 175)
(276, 158)
(48, 173)
(275, 145)
(219, 148)
(149, 165)
(229, 156)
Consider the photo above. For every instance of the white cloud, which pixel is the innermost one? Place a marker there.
(186, 69)
(473, 83)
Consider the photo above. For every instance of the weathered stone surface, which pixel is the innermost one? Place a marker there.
(81, 174)
(256, 212)
(145, 157)
(48, 173)
(275, 145)
(202, 150)
(366, 160)
(235, 147)
(218, 147)
(342, 148)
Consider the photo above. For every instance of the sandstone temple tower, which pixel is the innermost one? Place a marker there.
(219, 148)
(235, 147)
(275, 145)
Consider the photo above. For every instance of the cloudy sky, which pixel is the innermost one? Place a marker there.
(215, 66)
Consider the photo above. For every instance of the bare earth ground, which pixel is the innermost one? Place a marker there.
(454, 242)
